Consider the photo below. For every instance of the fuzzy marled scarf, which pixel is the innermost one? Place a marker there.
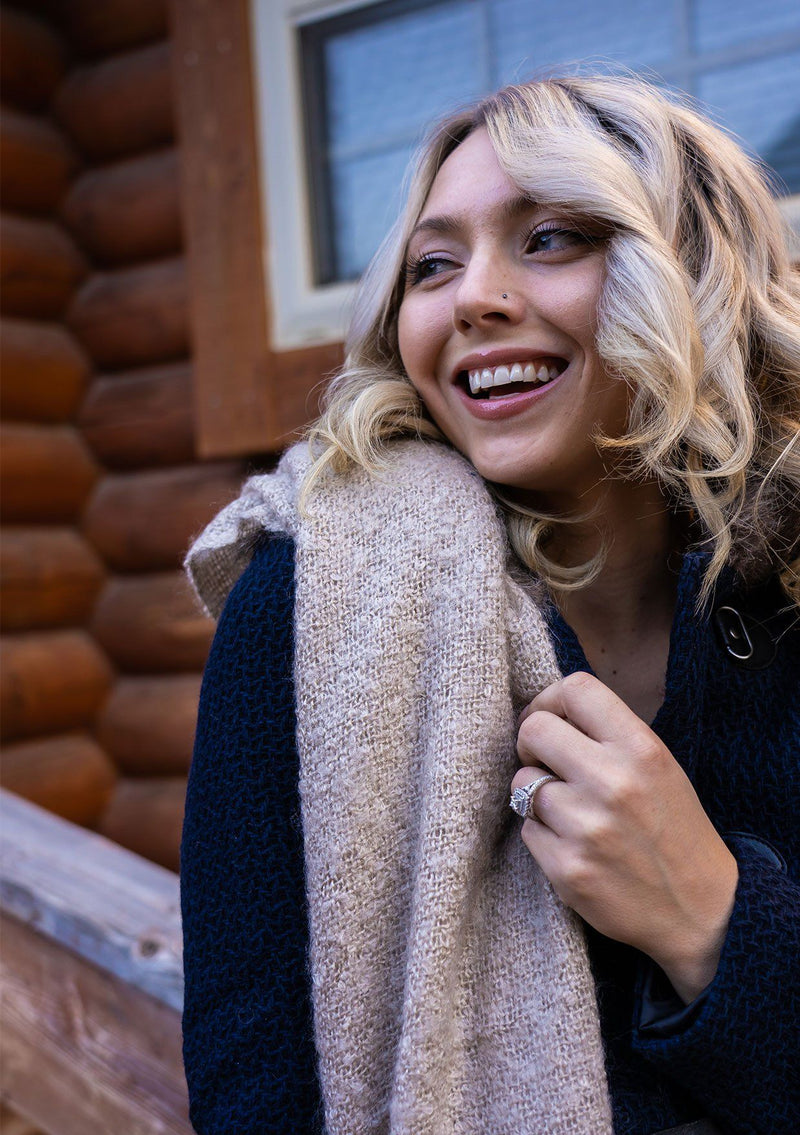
(452, 992)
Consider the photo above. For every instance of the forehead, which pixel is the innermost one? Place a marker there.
(469, 175)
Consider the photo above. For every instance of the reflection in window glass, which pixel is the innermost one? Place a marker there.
(723, 23)
(367, 199)
(387, 69)
(759, 102)
(529, 36)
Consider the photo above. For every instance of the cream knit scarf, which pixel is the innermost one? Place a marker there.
(452, 993)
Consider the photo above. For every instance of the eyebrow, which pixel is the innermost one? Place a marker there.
(448, 223)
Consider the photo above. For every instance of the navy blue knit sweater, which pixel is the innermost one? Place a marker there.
(733, 1055)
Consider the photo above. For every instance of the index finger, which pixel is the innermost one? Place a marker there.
(585, 702)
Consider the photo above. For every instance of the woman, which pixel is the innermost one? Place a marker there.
(543, 539)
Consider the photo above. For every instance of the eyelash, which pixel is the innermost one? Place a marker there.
(560, 230)
(415, 264)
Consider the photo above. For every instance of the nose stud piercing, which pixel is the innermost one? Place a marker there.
(505, 295)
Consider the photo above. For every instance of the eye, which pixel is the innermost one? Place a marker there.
(557, 238)
(426, 266)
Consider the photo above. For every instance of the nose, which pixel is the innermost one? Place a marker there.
(486, 295)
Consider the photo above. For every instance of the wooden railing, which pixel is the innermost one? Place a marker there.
(91, 981)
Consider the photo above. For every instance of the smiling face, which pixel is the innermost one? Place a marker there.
(497, 330)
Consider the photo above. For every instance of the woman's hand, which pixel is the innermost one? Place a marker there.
(623, 837)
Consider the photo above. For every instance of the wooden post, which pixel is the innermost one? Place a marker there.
(222, 220)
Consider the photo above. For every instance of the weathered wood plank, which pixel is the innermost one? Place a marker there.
(145, 521)
(146, 816)
(152, 624)
(82, 1051)
(36, 163)
(142, 418)
(147, 725)
(49, 577)
(109, 906)
(222, 216)
(12, 1124)
(121, 106)
(70, 776)
(32, 59)
(50, 682)
(145, 192)
(45, 372)
(40, 267)
(133, 316)
(47, 473)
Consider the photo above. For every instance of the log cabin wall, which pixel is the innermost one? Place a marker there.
(103, 644)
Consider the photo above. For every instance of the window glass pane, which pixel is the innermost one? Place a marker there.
(367, 199)
(390, 68)
(385, 80)
(760, 102)
(528, 36)
(721, 23)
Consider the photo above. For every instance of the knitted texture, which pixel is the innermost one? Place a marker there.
(247, 1044)
(451, 988)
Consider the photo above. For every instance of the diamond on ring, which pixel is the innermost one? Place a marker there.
(522, 798)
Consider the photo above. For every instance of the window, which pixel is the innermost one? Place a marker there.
(348, 87)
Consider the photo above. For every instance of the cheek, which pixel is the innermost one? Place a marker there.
(574, 306)
(419, 338)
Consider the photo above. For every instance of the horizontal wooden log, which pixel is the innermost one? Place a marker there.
(49, 577)
(32, 59)
(45, 371)
(152, 624)
(147, 725)
(36, 163)
(145, 192)
(145, 521)
(121, 106)
(70, 776)
(146, 816)
(115, 25)
(142, 418)
(50, 682)
(47, 473)
(133, 317)
(40, 267)
(111, 908)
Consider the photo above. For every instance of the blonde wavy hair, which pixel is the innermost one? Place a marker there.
(700, 315)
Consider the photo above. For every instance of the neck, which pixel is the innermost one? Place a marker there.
(635, 588)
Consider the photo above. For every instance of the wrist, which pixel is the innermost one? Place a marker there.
(692, 957)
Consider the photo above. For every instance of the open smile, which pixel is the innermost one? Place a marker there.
(509, 388)
(511, 378)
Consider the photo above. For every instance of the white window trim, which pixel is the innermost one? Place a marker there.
(303, 313)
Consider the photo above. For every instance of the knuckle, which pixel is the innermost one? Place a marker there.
(621, 790)
(532, 729)
(576, 879)
(578, 681)
(598, 830)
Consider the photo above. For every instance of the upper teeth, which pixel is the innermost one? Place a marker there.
(484, 379)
